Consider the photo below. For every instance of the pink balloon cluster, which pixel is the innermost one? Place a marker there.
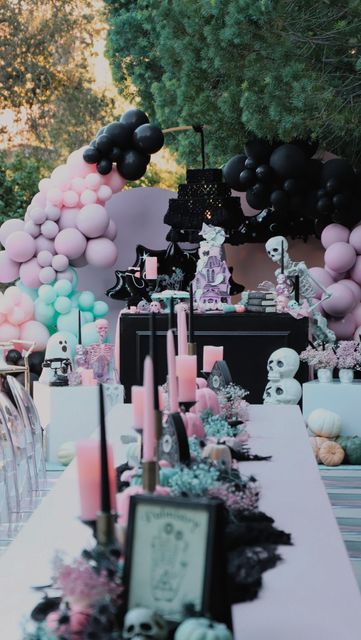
(17, 319)
(341, 276)
(65, 224)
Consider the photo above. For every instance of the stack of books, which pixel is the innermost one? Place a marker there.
(260, 301)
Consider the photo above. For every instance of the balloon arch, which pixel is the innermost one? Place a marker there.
(66, 226)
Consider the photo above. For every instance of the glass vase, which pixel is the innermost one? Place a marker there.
(345, 375)
(324, 374)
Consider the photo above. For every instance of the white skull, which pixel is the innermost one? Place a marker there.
(141, 623)
(283, 363)
(274, 248)
(286, 391)
(155, 307)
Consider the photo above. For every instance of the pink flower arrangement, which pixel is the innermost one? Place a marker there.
(320, 358)
(82, 586)
(348, 354)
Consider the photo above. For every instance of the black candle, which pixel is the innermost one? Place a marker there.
(153, 354)
(171, 313)
(104, 471)
(190, 324)
(282, 257)
(79, 326)
(297, 288)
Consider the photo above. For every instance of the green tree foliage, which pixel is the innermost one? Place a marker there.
(274, 68)
(19, 177)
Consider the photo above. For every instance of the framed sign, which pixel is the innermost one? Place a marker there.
(174, 557)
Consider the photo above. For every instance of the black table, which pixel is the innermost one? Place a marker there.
(248, 340)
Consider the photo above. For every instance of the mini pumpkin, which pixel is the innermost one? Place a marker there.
(66, 453)
(316, 442)
(352, 446)
(202, 629)
(331, 454)
(325, 423)
(218, 453)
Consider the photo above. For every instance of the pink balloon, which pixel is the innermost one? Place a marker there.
(93, 220)
(49, 229)
(32, 228)
(114, 180)
(101, 252)
(60, 263)
(13, 296)
(61, 177)
(35, 331)
(44, 184)
(70, 243)
(16, 316)
(37, 215)
(75, 156)
(93, 181)
(104, 193)
(44, 244)
(357, 314)
(29, 273)
(55, 196)
(357, 334)
(70, 198)
(9, 332)
(78, 185)
(344, 328)
(340, 257)
(355, 239)
(52, 212)
(336, 276)
(44, 258)
(20, 246)
(27, 306)
(334, 233)
(68, 217)
(39, 199)
(111, 231)
(8, 227)
(88, 197)
(341, 302)
(79, 168)
(79, 262)
(355, 288)
(323, 277)
(47, 275)
(355, 272)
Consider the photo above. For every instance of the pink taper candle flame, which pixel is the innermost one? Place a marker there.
(149, 440)
(172, 377)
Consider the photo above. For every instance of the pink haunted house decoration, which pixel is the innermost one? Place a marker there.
(211, 283)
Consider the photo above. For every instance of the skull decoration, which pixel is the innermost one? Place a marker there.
(143, 306)
(141, 623)
(283, 363)
(285, 391)
(274, 247)
(155, 307)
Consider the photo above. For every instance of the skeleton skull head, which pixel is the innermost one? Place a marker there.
(285, 391)
(155, 307)
(283, 363)
(141, 623)
(274, 248)
(102, 327)
(143, 306)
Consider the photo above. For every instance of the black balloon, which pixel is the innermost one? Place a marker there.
(148, 138)
(258, 150)
(258, 196)
(288, 161)
(333, 185)
(279, 200)
(341, 201)
(36, 360)
(339, 169)
(120, 134)
(104, 166)
(134, 118)
(13, 356)
(324, 205)
(313, 172)
(91, 155)
(104, 144)
(321, 193)
(133, 165)
(308, 147)
(231, 171)
(250, 164)
(247, 178)
(292, 186)
(116, 154)
(264, 173)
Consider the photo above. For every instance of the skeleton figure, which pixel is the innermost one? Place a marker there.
(100, 355)
(307, 284)
(283, 363)
(283, 391)
(142, 623)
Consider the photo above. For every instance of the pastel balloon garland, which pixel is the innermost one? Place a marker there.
(66, 226)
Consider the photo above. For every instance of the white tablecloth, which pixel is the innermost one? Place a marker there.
(311, 595)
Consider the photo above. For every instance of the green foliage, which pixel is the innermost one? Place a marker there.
(19, 177)
(277, 69)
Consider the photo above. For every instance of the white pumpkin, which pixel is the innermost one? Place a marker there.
(324, 423)
(66, 453)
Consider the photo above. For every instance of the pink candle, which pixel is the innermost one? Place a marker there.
(186, 369)
(172, 376)
(210, 356)
(182, 332)
(161, 398)
(88, 462)
(149, 441)
(151, 268)
(138, 406)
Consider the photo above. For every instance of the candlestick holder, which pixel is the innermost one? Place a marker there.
(158, 424)
(192, 348)
(149, 475)
(186, 406)
(205, 374)
(105, 529)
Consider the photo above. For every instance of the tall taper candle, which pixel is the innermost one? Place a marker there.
(182, 332)
(171, 313)
(282, 257)
(172, 376)
(153, 355)
(190, 317)
(149, 439)
(79, 327)
(104, 473)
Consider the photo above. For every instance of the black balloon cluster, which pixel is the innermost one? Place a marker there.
(128, 143)
(299, 195)
(35, 360)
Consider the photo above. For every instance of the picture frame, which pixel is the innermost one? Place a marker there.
(174, 560)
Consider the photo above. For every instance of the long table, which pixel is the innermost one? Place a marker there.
(311, 595)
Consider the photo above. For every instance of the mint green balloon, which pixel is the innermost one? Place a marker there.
(87, 316)
(86, 301)
(62, 304)
(68, 322)
(100, 309)
(75, 300)
(32, 293)
(89, 334)
(47, 293)
(44, 313)
(63, 288)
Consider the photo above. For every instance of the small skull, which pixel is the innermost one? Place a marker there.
(155, 307)
(274, 248)
(283, 363)
(286, 391)
(143, 306)
(141, 623)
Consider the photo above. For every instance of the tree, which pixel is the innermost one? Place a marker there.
(279, 70)
(19, 178)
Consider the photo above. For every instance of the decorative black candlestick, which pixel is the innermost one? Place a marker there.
(81, 352)
(297, 288)
(192, 346)
(171, 313)
(105, 518)
(282, 257)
